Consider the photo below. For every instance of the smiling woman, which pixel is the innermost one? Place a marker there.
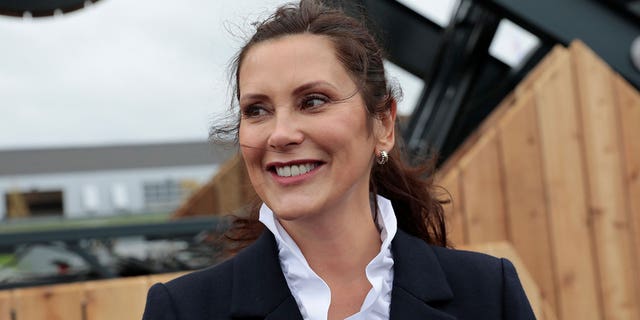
(298, 108)
(351, 230)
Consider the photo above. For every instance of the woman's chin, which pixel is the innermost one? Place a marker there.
(294, 212)
(292, 205)
(290, 215)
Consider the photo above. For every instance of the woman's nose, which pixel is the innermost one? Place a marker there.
(285, 132)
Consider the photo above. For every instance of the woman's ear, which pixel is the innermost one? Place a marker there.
(385, 128)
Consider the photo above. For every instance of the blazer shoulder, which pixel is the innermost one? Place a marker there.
(474, 275)
(467, 268)
(202, 294)
(467, 261)
(217, 276)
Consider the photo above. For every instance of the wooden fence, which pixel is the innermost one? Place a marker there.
(121, 299)
(555, 171)
(228, 191)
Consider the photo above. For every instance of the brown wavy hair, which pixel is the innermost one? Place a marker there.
(410, 189)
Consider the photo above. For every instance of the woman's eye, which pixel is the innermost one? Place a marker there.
(253, 111)
(314, 101)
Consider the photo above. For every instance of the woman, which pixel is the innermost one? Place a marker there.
(351, 231)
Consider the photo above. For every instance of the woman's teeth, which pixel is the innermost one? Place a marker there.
(294, 170)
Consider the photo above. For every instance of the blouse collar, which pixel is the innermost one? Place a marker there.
(312, 294)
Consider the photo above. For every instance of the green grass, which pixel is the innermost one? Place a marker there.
(5, 259)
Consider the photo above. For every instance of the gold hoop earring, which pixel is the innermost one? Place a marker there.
(382, 158)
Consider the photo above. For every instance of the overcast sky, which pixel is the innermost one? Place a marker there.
(124, 72)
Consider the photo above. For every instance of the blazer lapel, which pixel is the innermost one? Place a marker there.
(259, 287)
(419, 283)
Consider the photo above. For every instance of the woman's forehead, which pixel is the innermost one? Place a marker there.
(290, 61)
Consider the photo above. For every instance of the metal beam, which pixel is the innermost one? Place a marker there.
(410, 40)
(39, 8)
(462, 56)
(605, 30)
(171, 229)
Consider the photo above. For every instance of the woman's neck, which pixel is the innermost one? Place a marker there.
(339, 243)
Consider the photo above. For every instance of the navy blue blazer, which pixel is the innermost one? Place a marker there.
(429, 282)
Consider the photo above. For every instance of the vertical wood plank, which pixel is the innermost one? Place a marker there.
(524, 193)
(122, 299)
(540, 70)
(482, 189)
(456, 230)
(228, 184)
(5, 305)
(59, 302)
(606, 186)
(564, 179)
(628, 101)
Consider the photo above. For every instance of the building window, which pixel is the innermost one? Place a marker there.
(120, 197)
(163, 194)
(91, 198)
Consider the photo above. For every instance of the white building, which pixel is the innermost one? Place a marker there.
(107, 180)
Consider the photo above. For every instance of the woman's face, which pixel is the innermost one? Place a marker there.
(303, 132)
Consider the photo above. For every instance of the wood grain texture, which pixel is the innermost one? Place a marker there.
(5, 305)
(565, 187)
(628, 102)
(606, 187)
(540, 71)
(59, 302)
(482, 189)
(122, 299)
(227, 192)
(228, 183)
(524, 192)
(454, 211)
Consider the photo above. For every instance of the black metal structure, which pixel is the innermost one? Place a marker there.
(463, 83)
(466, 47)
(40, 8)
(604, 25)
(628, 7)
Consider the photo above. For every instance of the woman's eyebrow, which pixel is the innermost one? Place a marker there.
(312, 85)
(253, 96)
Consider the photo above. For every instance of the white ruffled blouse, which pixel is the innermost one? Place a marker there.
(312, 294)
